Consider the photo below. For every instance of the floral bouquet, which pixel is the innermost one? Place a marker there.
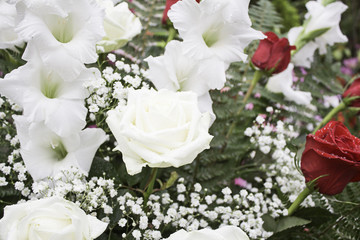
(179, 119)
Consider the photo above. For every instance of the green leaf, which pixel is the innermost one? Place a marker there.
(289, 222)
(173, 177)
(314, 34)
(277, 225)
(317, 215)
(269, 224)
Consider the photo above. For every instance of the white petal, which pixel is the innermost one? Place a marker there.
(8, 20)
(176, 71)
(332, 36)
(91, 139)
(160, 76)
(97, 227)
(65, 117)
(183, 14)
(305, 56)
(232, 232)
(282, 82)
(293, 34)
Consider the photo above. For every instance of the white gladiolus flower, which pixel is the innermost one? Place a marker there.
(305, 56)
(237, 11)
(159, 129)
(64, 32)
(8, 20)
(46, 96)
(178, 72)
(120, 25)
(206, 32)
(49, 218)
(45, 153)
(282, 83)
(223, 233)
(322, 19)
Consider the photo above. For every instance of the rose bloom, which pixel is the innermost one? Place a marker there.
(120, 25)
(159, 129)
(334, 154)
(49, 218)
(223, 233)
(353, 91)
(273, 53)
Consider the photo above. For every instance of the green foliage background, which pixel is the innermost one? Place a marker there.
(228, 157)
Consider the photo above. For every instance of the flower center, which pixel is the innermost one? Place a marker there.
(58, 149)
(50, 85)
(211, 36)
(62, 29)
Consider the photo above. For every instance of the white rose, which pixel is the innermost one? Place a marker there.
(159, 129)
(49, 218)
(223, 233)
(120, 25)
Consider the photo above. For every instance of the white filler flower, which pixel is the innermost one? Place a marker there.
(46, 96)
(64, 32)
(282, 83)
(207, 33)
(120, 25)
(159, 129)
(223, 233)
(45, 153)
(49, 218)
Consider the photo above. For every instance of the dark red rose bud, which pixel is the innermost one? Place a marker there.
(333, 153)
(353, 91)
(273, 54)
(168, 5)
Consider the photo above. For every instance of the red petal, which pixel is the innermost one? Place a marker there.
(313, 142)
(272, 37)
(280, 56)
(262, 54)
(339, 171)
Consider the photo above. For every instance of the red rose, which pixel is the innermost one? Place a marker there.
(332, 152)
(168, 5)
(273, 54)
(353, 91)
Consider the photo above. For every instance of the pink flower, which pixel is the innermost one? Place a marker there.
(249, 106)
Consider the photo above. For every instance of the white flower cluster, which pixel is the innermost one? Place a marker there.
(71, 184)
(112, 87)
(12, 170)
(197, 210)
(282, 172)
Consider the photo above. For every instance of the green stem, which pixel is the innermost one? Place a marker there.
(330, 115)
(258, 74)
(150, 187)
(326, 2)
(306, 192)
(172, 34)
